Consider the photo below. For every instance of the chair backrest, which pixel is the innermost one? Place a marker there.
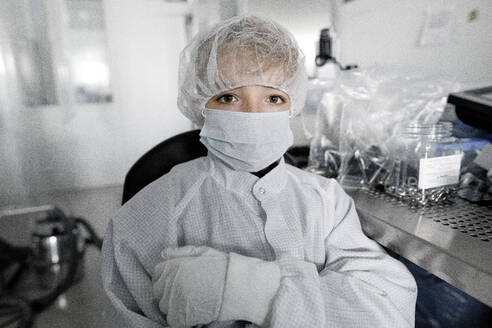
(161, 159)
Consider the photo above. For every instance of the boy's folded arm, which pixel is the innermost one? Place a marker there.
(371, 284)
(124, 307)
(359, 286)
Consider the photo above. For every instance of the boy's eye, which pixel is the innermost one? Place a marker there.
(275, 99)
(226, 99)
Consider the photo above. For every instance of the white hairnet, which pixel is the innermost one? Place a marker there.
(241, 51)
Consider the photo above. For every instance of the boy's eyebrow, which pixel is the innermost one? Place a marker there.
(228, 92)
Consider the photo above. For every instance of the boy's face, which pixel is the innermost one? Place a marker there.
(252, 99)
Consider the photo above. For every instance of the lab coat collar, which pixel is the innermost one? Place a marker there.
(247, 183)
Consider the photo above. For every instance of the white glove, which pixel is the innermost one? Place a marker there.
(189, 284)
(250, 289)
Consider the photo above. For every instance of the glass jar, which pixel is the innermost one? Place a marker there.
(427, 164)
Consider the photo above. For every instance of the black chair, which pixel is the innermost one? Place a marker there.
(161, 159)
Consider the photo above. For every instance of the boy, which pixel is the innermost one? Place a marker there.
(239, 238)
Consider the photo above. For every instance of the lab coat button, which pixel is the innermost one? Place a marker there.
(262, 190)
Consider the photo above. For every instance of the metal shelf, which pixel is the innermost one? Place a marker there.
(453, 241)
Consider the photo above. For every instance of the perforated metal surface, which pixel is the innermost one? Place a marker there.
(468, 218)
(453, 240)
(460, 215)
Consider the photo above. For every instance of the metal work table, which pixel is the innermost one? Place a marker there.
(452, 241)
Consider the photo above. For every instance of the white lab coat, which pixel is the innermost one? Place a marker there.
(354, 283)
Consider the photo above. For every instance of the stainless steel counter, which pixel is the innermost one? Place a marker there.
(454, 241)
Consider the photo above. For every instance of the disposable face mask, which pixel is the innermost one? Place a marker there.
(246, 141)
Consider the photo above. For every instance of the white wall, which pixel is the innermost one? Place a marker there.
(387, 32)
(74, 146)
(145, 38)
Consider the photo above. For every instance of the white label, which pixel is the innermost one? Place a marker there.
(439, 171)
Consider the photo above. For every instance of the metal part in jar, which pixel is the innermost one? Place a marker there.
(427, 166)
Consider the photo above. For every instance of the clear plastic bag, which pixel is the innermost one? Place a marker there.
(360, 119)
(324, 156)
